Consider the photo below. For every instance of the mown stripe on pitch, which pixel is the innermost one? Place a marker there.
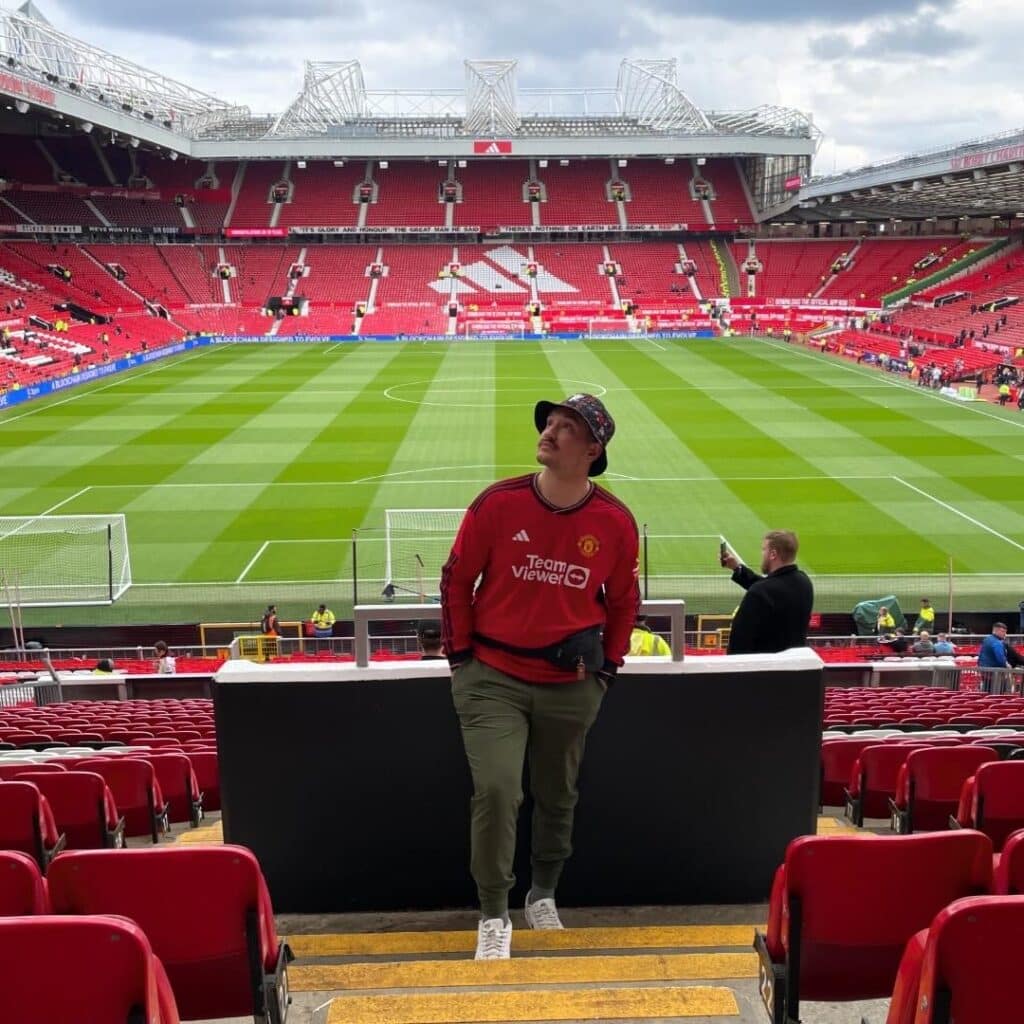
(556, 970)
(630, 937)
(585, 1004)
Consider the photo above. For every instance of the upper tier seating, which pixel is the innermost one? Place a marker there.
(52, 208)
(96, 969)
(492, 194)
(407, 194)
(139, 213)
(233, 965)
(576, 193)
(322, 195)
(729, 207)
(253, 208)
(660, 194)
(74, 154)
(843, 908)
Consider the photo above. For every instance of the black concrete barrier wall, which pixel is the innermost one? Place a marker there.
(354, 794)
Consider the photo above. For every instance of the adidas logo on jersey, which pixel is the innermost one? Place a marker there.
(522, 536)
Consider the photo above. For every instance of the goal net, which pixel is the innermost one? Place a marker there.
(616, 327)
(417, 542)
(64, 560)
(494, 329)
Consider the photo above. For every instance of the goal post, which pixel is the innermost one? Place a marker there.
(52, 561)
(615, 327)
(417, 542)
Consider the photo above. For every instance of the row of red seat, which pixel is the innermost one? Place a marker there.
(854, 918)
(192, 936)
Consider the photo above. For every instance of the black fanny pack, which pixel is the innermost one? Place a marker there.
(581, 651)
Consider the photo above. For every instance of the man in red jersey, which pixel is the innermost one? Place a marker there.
(534, 647)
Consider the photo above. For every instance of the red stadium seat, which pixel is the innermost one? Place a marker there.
(179, 786)
(136, 793)
(96, 969)
(205, 765)
(231, 965)
(846, 906)
(26, 823)
(965, 967)
(929, 785)
(83, 808)
(15, 769)
(1009, 869)
(837, 760)
(992, 801)
(22, 886)
(873, 780)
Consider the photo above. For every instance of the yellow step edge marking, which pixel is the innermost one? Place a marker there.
(525, 941)
(833, 826)
(584, 1004)
(209, 834)
(560, 970)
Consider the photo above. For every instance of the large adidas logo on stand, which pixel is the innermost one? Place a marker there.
(503, 273)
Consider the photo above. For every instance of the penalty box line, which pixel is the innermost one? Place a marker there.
(288, 540)
(958, 512)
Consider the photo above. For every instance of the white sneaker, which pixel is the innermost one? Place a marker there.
(543, 915)
(493, 939)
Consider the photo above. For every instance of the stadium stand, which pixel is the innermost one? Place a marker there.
(323, 195)
(253, 206)
(492, 195)
(407, 195)
(791, 269)
(660, 194)
(576, 193)
(76, 158)
(730, 207)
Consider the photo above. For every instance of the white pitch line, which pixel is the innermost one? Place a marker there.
(828, 360)
(253, 561)
(656, 344)
(60, 504)
(170, 361)
(957, 512)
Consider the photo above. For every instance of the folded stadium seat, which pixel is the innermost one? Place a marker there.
(965, 967)
(157, 742)
(22, 887)
(179, 786)
(873, 780)
(837, 759)
(1017, 720)
(929, 785)
(26, 823)
(992, 801)
(83, 808)
(205, 765)
(99, 969)
(207, 912)
(136, 793)
(845, 907)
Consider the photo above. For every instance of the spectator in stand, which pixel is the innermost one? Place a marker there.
(103, 667)
(269, 624)
(898, 644)
(992, 655)
(428, 635)
(944, 646)
(885, 621)
(776, 609)
(323, 622)
(1004, 393)
(644, 642)
(165, 664)
(925, 617)
(923, 644)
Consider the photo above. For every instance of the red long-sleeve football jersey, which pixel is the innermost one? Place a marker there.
(544, 572)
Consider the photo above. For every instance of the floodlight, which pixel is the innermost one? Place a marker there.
(134, 143)
(383, 165)
(21, 106)
(87, 126)
(542, 163)
(301, 164)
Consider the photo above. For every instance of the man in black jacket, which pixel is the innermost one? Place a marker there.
(776, 608)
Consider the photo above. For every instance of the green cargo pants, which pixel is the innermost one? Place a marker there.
(503, 721)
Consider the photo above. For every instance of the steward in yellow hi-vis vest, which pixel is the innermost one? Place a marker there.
(643, 642)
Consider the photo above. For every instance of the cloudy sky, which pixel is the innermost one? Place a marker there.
(881, 77)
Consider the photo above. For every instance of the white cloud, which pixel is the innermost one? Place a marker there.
(881, 77)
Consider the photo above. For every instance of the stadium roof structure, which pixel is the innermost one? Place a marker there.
(335, 116)
(978, 178)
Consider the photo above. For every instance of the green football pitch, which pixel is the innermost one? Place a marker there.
(243, 470)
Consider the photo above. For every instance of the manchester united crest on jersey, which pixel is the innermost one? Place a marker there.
(588, 545)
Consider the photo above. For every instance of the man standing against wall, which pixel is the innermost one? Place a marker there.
(534, 647)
